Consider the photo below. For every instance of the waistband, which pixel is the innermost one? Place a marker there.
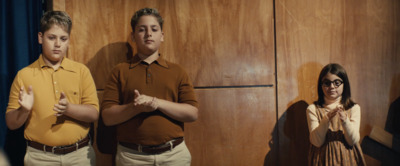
(154, 149)
(59, 149)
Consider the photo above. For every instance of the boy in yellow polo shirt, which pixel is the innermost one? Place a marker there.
(55, 98)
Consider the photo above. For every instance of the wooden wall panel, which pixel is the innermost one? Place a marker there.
(219, 43)
(361, 35)
(235, 127)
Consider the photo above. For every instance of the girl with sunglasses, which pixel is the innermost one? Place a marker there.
(334, 121)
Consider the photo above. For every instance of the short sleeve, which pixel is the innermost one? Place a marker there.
(186, 91)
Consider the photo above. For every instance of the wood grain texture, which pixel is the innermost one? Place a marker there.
(217, 46)
(101, 158)
(235, 127)
(361, 35)
(219, 43)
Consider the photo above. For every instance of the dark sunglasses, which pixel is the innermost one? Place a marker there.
(336, 83)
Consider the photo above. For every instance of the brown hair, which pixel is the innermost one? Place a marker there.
(59, 18)
(146, 12)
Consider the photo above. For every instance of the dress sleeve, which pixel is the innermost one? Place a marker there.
(317, 128)
(351, 125)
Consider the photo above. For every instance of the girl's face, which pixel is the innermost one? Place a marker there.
(332, 85)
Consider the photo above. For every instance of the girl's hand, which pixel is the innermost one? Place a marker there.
(342, 113)
(332, 113)
(335, 111)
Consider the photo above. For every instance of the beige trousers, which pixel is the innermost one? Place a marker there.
(84, 156)
(179, 156)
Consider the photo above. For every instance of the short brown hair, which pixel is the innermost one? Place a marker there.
(146, 12)
(59, 18)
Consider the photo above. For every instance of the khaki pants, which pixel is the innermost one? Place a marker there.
(84, 156)
(179, 156)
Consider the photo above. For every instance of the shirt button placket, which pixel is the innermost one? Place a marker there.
(55, 85)
(148, 75)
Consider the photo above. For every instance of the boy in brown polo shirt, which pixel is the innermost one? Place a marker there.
(149, 99)
(56, 99)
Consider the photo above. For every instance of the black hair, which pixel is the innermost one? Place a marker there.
(338, 70)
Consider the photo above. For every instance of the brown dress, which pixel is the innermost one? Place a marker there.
(335, 150)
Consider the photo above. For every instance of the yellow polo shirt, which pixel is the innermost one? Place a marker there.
(72, 78)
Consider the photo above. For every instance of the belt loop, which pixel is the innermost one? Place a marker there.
(77, 145)
(140, 148)
(171, 145)
(44, 148)
(52, 149)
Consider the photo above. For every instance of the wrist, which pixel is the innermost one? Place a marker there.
(345, 120)
(24, 110)
(154, 103)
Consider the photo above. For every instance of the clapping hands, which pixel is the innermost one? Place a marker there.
(145, 103)
(338, 110)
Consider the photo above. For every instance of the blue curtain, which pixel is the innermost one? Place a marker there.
(19, 26)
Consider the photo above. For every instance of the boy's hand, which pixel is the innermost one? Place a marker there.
(62, 105)
(145, 103)
(26, 99)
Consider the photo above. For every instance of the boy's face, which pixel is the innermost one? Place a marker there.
(148, 35)
(55, 42)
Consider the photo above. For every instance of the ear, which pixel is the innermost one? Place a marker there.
(162, 36)
(40, 38)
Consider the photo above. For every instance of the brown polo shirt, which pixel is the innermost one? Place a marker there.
(161, 79)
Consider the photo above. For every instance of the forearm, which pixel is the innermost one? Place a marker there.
(117, 114)
(16, 118)
(351, 134)
(82, 112)
(351, 125)
(318, 134)
(179, 111)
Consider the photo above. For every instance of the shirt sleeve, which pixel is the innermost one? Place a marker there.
(186, 91)
(112, 90)
(89, 92)
(317, 129)
(351, 125)
(14, 93)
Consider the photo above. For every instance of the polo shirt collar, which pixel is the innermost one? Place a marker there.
(66, 64)
(136, 60)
